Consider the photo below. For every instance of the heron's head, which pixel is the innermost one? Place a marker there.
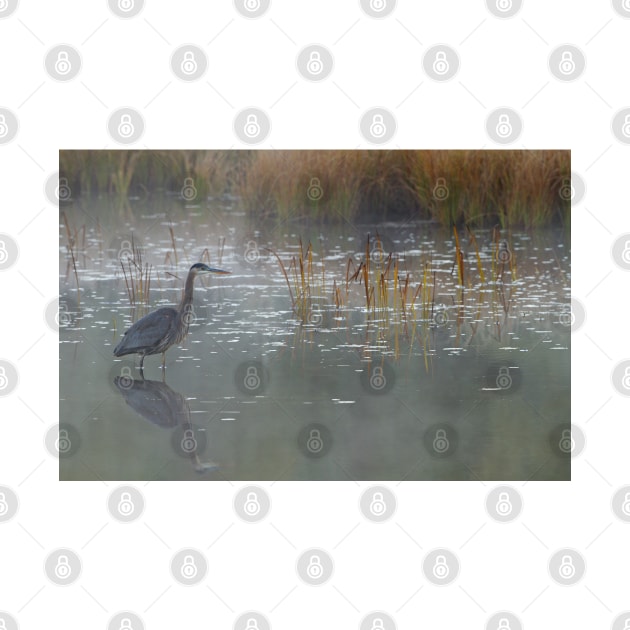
(201, 268)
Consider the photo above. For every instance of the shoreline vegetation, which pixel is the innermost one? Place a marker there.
(508, 188)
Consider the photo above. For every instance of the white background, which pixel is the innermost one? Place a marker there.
(252, 63)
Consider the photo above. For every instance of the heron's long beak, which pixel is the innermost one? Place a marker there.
(215, 270)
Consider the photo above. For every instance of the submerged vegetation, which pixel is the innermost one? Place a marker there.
(509, 188)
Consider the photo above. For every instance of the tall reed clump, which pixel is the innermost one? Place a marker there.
(509, 187)
(513, 188)
(73, 242)
(137, 274)
(327, 185)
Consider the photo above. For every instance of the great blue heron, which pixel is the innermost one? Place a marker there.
(159, 330)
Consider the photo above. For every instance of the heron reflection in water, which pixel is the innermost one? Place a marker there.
(165, 408)
(156, 332)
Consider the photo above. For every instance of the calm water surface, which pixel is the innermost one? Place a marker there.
(475, 386)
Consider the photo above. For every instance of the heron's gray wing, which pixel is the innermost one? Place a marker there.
(147, 332)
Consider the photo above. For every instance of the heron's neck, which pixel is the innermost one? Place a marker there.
(188, 291)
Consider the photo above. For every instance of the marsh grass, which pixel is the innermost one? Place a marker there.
(73, 241)
(510, 188)
(137, 274)
(399, 303)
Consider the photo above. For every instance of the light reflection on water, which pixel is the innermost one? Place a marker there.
(475, 387)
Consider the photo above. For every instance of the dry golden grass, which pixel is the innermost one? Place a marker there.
(508, 187)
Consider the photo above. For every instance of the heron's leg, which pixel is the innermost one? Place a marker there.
(142, 362)
(163, 360)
